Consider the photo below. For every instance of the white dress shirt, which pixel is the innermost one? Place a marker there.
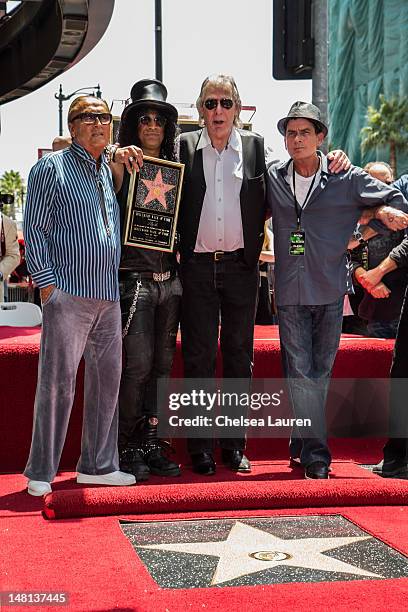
(220, 227)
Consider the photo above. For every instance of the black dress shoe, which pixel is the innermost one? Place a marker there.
(203, 463)
(235, 460)
(317, 470)
(392, 469)
(294, 462)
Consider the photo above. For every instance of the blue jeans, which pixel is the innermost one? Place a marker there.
(309, 339)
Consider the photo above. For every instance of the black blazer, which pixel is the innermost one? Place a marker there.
(252, 196)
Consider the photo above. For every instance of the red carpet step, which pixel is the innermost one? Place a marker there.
(19, 348)
(268, 486)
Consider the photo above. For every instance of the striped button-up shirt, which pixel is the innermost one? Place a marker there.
(70, 241)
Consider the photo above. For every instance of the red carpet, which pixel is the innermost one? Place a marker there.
(92, 560)
(96, 565)
(18, 367)
(270, 485)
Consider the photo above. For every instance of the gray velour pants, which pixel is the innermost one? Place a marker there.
(74, 327)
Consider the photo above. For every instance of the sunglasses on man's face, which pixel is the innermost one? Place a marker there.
(104, 118)
(212, 103)
(158, 120)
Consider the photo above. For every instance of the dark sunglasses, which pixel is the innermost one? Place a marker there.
(104, 118)
(212, 103)
(158, 120)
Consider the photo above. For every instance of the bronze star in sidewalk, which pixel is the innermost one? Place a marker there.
(157, 189)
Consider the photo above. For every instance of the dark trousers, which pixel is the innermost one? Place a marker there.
(397, 446)
(148, 349)
(218, 292)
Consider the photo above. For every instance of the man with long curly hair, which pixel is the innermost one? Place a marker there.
(150, 293)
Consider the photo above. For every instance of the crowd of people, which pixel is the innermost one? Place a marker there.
(102, 300)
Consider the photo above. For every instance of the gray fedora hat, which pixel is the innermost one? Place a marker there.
(303, 110)
(149, 93)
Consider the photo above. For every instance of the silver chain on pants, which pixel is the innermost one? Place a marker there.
(132, 309)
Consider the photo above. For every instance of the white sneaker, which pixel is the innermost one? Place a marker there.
(120, 479)
(38, 487)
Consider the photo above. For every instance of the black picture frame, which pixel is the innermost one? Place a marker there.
(151, 222)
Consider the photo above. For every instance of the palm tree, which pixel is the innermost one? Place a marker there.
(387, 125)
(12, 182)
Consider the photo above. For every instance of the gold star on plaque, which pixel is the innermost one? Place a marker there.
(157, 189)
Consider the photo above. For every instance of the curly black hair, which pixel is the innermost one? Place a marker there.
(128, 133)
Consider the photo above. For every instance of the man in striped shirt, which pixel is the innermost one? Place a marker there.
(73, 249)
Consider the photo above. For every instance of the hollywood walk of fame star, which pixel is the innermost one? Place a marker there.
(236, 553)
(157, 189)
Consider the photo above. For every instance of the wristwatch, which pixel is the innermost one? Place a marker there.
(110, 151)
(359, 237)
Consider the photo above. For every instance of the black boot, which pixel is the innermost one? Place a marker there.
(131, 461)
(153, 450)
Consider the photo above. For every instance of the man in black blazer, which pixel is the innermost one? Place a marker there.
(221, 224)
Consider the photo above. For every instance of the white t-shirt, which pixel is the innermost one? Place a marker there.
(302, 184)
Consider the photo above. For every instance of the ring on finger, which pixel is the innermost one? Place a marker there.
(131, 159)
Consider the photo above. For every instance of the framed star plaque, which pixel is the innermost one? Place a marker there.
(152, 205)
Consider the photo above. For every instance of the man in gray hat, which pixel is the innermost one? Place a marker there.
(314, 212)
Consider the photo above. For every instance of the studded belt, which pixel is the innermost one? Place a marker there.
(159, 277)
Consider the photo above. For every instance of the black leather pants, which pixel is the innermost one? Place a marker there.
(148, 349)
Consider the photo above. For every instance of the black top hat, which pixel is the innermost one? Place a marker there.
(303, 110)
(152, 94)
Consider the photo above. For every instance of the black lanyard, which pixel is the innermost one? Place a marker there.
(298, 207)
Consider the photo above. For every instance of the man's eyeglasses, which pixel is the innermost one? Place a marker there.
(104, 118)
(212, 103)
(158, 120)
